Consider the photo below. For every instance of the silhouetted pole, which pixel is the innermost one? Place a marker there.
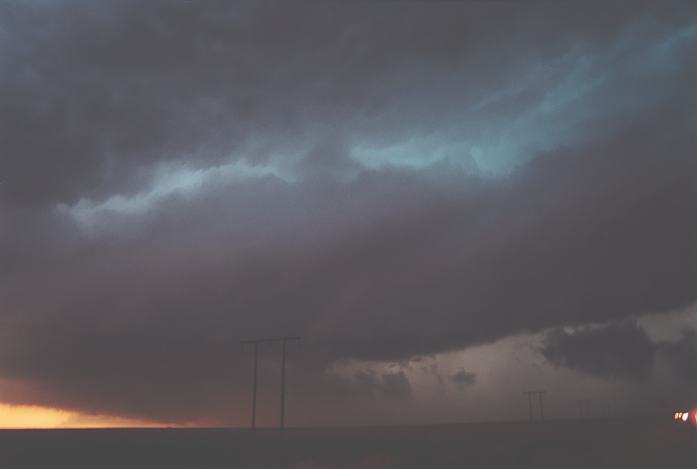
(284, 341)
(254, 386)
(542, 411)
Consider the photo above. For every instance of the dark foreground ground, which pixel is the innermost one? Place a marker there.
(570, 444)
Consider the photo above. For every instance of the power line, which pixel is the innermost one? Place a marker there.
(539, 393)
(255, 343)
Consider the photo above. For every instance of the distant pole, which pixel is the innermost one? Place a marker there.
(580, 409)
(529, 393)
(539, 394)
(588, 408)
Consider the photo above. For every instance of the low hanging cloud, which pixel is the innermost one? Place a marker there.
(391, 384)
(396, 385)
(463, 378)
(621, 350)
(178, 176)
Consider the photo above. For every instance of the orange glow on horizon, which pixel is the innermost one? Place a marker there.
(37, 417)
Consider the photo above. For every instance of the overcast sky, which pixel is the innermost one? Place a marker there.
(450, 202)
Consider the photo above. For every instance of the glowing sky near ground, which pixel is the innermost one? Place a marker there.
(35, 417)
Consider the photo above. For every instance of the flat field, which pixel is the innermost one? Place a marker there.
(616, 444)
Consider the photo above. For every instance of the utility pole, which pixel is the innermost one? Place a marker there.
(284, 342)
(255, 342)
(539, 394)
(529, 393)
(254, 386)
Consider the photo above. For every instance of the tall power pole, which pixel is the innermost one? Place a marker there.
(255, 342)
(284, 342)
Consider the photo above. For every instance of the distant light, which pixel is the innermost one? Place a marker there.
(685, 416)
(678, 415)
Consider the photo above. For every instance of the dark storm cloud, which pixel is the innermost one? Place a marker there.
(140, 312)
(436, 268)
(620, 350)
(601, 233)
(108, 89)
(94, 94)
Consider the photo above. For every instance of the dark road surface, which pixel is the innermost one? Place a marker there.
(563, 444)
